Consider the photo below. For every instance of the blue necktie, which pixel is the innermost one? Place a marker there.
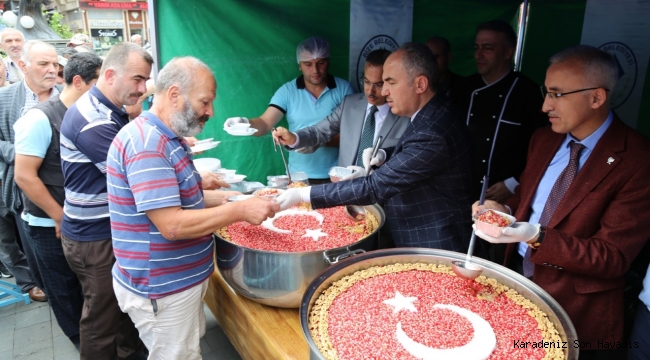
(367, 135)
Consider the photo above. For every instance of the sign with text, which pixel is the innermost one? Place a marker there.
(113, 5)
(107, 23)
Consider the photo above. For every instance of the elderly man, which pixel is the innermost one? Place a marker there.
(360, 119)
(424, 185)
(12, 41)
(39, 175)
(583, 199)
(305, 101)
(441, 49)
(161, 274)
(87, 131)
(39, 64)
(502, 109)
(136, 39)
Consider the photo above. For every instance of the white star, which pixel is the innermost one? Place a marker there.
(400, 302)
(314, 234)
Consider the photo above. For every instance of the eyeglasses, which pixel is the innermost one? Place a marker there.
(555, 96)
(377, 85)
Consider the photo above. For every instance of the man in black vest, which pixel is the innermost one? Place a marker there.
(38, 174)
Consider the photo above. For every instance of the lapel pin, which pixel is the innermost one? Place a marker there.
(610, 161)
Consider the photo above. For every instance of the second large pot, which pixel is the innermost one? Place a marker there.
(281, 278)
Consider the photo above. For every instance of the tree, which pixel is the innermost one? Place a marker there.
(55, 22)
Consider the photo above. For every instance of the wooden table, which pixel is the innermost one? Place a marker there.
(257, 331)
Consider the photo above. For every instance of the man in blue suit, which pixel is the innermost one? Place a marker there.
(425, 182)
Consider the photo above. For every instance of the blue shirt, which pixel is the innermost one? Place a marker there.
(555, 168)
(87, 131)
(645, 293)
(149, 167)
(33, 134)
(302, 109)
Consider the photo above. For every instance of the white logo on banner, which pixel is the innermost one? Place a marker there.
(376, 43)
(627, 71)
(618, 27)
(111, 33)
(376, 24)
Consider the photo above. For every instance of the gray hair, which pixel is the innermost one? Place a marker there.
(417, 60)
(180, 71)
(599, 68)
(117, 58)
(8, 30)
(26, 55)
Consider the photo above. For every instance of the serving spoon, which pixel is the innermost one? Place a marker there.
(353, 211)
(466, 269)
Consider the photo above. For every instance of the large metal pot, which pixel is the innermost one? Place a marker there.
(280, 278)
(505, 276)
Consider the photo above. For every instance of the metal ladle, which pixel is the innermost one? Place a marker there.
(353, 211)
(466, 269)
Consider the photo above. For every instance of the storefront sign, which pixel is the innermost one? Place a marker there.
(113, 5)
(107, 23)
(135, 19)
(106, 33)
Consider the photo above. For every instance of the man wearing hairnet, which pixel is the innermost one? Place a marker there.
(305, 100)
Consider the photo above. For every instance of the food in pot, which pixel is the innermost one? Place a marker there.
(418, 310)
(301, 229)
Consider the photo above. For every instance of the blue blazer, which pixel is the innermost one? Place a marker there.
(424, 185)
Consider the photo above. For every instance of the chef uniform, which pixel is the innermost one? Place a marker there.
(501, 118)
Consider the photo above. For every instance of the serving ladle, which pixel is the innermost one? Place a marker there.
(354, 211)
(466, 269)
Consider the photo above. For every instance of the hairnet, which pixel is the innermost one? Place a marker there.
(313, 48)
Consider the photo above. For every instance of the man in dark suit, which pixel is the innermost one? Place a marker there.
(424, 185)
(352, 119)
(582, 201)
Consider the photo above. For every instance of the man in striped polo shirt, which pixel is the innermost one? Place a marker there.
(161, 217)
(88, 128)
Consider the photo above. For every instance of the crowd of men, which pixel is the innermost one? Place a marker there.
(127, 278)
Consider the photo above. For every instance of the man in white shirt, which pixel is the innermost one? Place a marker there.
(11, 42)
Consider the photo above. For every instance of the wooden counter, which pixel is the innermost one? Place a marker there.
(257, 331)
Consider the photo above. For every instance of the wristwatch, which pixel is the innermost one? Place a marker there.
(540, 238)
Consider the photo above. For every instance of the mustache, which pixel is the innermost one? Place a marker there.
(136, 94)
(203, 118)
(49, 77)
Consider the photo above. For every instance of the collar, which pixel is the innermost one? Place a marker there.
(590, 141)
(415, 114)
(496, 82)
(94, 91)
(149, 116)
(33, 95)
(382, 110)
(300, 82)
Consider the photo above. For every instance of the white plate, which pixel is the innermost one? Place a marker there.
(238, 133)
(235, 179)
(204, 141)
(239, 198)
(204, 146)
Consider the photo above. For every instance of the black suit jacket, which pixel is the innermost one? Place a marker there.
(424, 185)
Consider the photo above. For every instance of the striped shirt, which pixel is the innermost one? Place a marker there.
(88, 128)
(149, 167)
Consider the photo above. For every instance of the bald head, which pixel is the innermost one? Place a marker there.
(12, 42)
(185, 90)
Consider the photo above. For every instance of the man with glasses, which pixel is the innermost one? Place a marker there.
(502, 109)
(305, 101)
(582, 201)
(360, 119)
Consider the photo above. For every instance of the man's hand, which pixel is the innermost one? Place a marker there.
(369, 161)
(256, 210)
(190, 140)
(212, 181)
(498, 192)
(235, 120)
(357, 172)
(517, 232)
(293, 197)
(489, 204)
(283, 136)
